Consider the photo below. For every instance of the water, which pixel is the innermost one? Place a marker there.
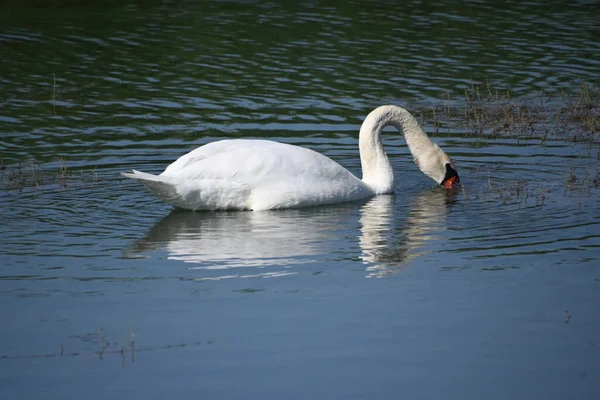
(486, 292)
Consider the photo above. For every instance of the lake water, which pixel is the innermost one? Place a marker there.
(488, 291)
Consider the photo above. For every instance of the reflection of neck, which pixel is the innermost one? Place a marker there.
(376, 168)
(384, 247)
(375, 220)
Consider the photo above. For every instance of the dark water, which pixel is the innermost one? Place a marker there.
(488, 292)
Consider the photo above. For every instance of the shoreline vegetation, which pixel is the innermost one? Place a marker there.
(485, 113)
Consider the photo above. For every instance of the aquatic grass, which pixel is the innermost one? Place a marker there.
(62, 172)
(493, 113)
(35, 177)
(513, 192)
(582, 180)
(132, 343)
(104, 341)
(579, 182)
(586, 111)
(53, 93)
(106, 348)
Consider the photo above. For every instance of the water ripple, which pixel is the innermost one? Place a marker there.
(139, 87)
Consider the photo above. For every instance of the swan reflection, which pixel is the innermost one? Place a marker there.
(253, 243)
(389, 242)
(381, 232)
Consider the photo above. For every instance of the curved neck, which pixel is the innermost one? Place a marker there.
(376, 168)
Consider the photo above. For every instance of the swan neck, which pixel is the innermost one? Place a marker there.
(376, 168)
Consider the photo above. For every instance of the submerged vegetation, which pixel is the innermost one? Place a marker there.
(33, 176)
(126, 349)
(578, 183)
(489, 113)
(493, 113)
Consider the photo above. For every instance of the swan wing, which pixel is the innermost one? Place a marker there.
(251, 162)
(262, 174)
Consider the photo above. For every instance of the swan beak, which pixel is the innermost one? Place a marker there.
(451, 182)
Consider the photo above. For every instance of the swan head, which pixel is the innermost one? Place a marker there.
(436, 164)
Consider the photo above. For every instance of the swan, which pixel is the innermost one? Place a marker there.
(254, 174)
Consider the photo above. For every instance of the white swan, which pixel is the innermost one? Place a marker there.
(246, 174)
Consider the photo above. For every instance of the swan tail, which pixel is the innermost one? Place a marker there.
(160, 186)
(142, 176)
(195, 195)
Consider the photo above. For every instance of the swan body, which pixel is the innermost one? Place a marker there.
(249, 174)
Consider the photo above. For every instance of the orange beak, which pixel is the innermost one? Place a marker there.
(451, 182)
